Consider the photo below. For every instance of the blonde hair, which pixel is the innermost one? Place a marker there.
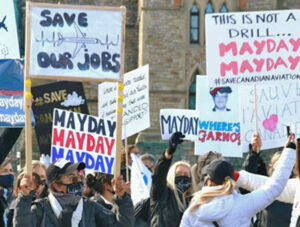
(273, 162)
(4, 163)
(203, 197)
(171, 183)
(36, 164)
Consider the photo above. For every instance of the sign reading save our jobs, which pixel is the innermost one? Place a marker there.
(136, 114)
(278, 106)
(254, 48)
(75, 42)
(9, 46)
(79, 137)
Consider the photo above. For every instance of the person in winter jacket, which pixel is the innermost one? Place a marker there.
(290, 193)
(203, 160)
(65, 205)
(6, 190)
(219, 204)
(278, 213)
(103, 189)
(171, 187)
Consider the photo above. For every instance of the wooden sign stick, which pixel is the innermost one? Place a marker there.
(298, 157)
(126, 155)
(27, 99)
(120, 98)
(28, 134)
(255, 111)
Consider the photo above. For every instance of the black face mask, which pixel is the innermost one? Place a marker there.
(45, 192)
(183, 183)
(75, 188)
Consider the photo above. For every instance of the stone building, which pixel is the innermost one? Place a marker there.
(169, 35)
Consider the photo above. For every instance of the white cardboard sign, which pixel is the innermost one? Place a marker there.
(136, 113)
(246, 48)
(79, 137)
(219, 126)
(75, 42)
(277, 106)
(9, 45)
(179, 120)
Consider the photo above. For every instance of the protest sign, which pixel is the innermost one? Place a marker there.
(11, 94)
(141, 180)
(9, 45)
(277, 106)
(136, 114)
(179, 120)
(75, 42)
(84, 138)
(219, 126)
(252, 47)
(63, 95)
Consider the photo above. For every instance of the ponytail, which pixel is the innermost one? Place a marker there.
(203, 197)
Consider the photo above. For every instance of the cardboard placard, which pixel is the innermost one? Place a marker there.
(278, 106)
(136, 113)
(84, 138)
(63, 95)
(9, 45)
(12, 94)
(247, 48)
(179, 120)
(75, 42)
(219, 125)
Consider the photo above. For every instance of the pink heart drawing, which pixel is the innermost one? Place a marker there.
(271, 123)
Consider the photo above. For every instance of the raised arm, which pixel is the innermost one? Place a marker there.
(261, 198)
(159, 177)
(251, 182)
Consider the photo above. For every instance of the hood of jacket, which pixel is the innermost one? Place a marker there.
(217, 208)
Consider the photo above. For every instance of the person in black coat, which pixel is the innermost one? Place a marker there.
(278, 213)
(171, 188)
(7, 141)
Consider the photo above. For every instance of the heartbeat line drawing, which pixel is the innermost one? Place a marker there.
(80, 40)
(2, 24)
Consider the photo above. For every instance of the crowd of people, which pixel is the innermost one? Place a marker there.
(209, 193)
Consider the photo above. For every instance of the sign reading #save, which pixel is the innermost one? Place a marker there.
(75, 42)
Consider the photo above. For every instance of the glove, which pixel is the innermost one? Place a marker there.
(175, 139)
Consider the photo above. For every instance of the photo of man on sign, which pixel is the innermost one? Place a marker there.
(220, 98)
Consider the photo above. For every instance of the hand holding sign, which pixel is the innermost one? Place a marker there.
(176, 138)
(256, 142)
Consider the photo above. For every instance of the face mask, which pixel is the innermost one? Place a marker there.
(75, 189)
(183, 183)
(44, 192)
(7, 181)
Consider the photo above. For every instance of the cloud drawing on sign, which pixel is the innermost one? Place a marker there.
(73, 100)
(270, 123)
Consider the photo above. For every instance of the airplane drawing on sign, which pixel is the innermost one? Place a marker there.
(2, 25)
(80, 40)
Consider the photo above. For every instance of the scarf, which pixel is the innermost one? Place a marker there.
(57, 209)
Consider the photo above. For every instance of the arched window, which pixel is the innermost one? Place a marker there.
(194, 21)
(224, 8)
(209, 8)
(192, 92)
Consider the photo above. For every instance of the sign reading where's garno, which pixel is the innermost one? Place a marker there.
(75, 42)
